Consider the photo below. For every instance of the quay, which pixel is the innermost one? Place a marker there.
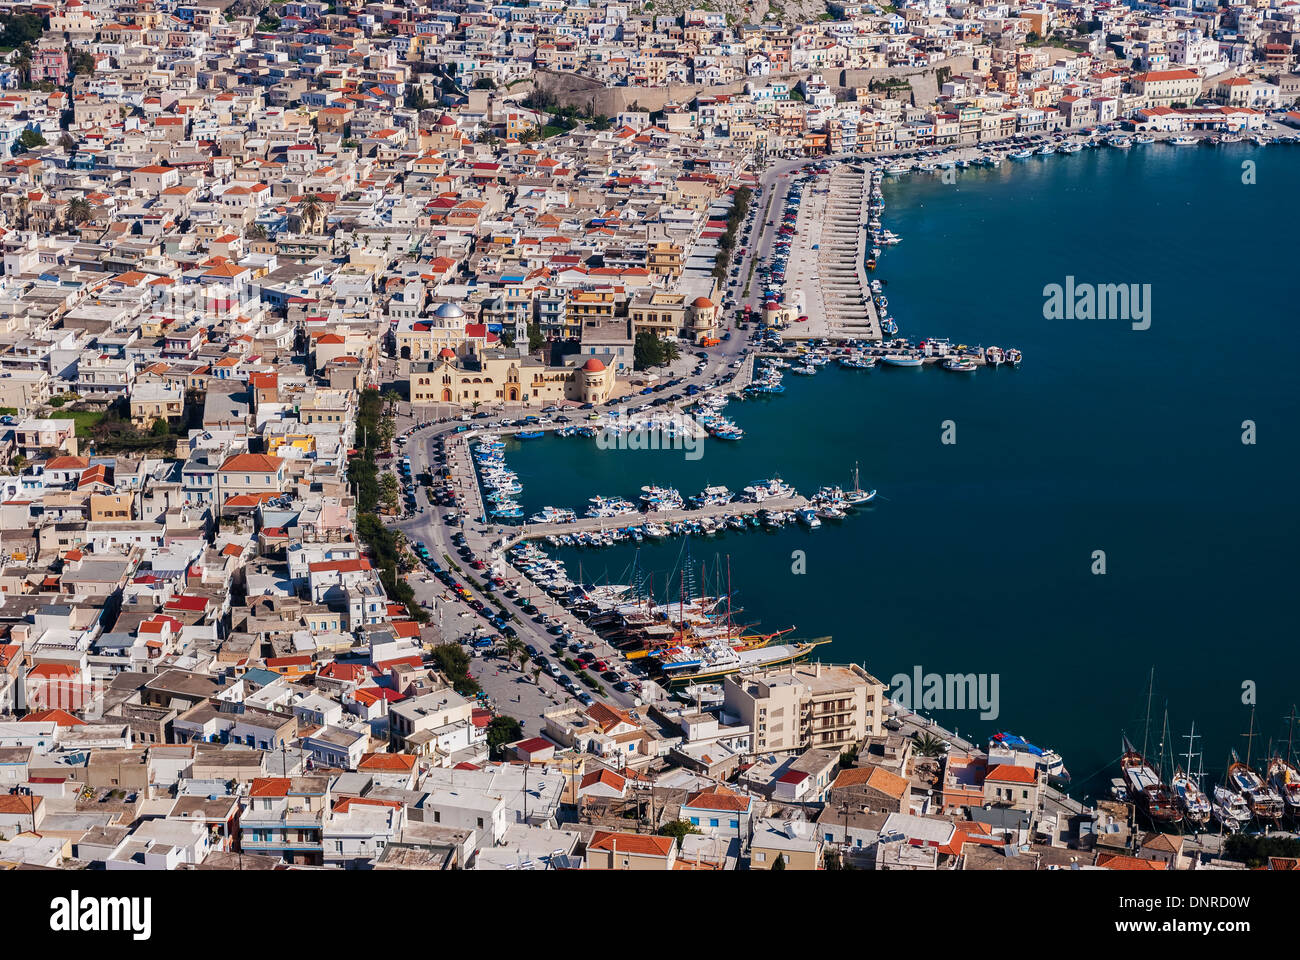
(740, 508)
(833, 276)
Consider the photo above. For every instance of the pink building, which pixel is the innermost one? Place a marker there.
(50, 63)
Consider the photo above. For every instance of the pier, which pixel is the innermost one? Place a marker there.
(538, 531)
(832, 279)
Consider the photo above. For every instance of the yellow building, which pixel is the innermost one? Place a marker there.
(507, 379)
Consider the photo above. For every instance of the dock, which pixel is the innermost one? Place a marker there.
(539, 531)
(832, 279)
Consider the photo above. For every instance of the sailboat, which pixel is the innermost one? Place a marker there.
(1146, 789)
(1283, 775)
(1187, 790)
(857, 496)
(1263, 800)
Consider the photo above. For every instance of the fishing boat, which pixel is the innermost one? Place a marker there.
(993, 356)
(1145, 788)
(530, 434)
(1183, 141)
(1046, 150)
(1020, 154)
(660, 498)
(809, 518)
(1142, 139)
(888, 326)
(902, 360)
(960, 365)
(1013, 356)
(1009, 748)
(1263, 800)
(857, 496)
(712, 497)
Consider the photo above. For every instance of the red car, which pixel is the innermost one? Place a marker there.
(800, 319)
(602, 666)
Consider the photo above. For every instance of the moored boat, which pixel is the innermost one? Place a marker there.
(902, 360)
(1262, 799)
(1009, 748)
(1146, 790)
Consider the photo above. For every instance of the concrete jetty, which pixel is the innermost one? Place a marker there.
(538, 531)
(832, 279)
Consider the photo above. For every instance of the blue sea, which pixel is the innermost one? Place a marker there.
(979, 556)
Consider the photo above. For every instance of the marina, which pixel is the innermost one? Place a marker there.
(888, 418)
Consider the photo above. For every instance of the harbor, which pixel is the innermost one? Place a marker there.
(1018, 498)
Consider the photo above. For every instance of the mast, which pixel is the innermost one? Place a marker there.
(1191, 743)
(730, 628)
(1146, 728)
(1250, 736)
(1290, 737)
(1164, 739)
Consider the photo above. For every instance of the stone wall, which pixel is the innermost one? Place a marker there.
(592, 96)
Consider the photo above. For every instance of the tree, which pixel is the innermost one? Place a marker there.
(678, 829)
(309, 209)
(500, 731)
(512, 647)
(160, 427)
(536, 339)
(779, 863)
(67, 144)
(928, 745)
(485, 83)
(79, 210)
(22, 29)
(389, 496)
(537, 675)
(651, 351)
(453, 661)
(31, 138)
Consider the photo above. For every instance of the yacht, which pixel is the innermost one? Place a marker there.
(1229, 809)
(1009, 748)
(1195, 805)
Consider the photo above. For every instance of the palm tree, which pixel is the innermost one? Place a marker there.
(928, 745)
(309, 209)
(513, 647)
(78, 210)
